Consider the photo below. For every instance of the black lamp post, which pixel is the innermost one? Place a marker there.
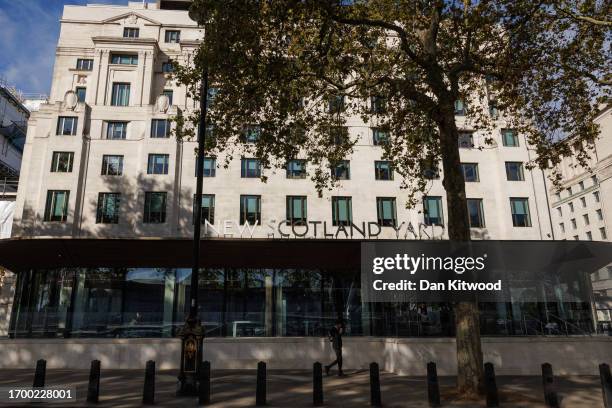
(192, 334)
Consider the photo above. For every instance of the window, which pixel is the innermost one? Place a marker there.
(158, 164)
(581, 185)
(212, 94)
(112, 165)
(520, 212)
(251, 134)
(569, 191)
(460, 107)
(583, 201)
(81, 93)
(596, 196)
(386, 211)
(173, 36)
(56, 207)
(124, 59)
(84, 64)
(594, 180)
(383, 170)
(378, 104)
(380, 136)
(599, 214)
(67, 125)
(250, 209)
(339, 135)
(602, 232)
(493, 109)
(342, 170)
(210, 167)
(250, 168)
(62, 162)
(167, 67)
(155, 207)
(514, 171)
(208, 208)
(571, 207)
(430, 169)
(466, 140)
(121, 94)
(129, 32)
(432, 211)
(509, 138)
(296, 210)
(160, 128)
(574, 225)
(585, 218)
(169, 93)
(589, 235)
(342, 211)
(296, 169)
(562, 227)
(560, 211)
(116, 130)
(335, 104)
(576, 237)
(108, 208)
(475, 212)
(470, 172)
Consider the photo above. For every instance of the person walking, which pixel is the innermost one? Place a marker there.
(335, 337)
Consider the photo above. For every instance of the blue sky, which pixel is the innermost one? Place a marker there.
(28, 37)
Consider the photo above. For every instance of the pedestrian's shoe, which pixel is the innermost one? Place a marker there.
(327, 370)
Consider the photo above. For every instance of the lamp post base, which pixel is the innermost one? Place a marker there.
(192, 336)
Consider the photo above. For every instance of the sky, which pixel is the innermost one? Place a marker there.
(28, 36)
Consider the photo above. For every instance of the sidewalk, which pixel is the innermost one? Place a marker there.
(236, 388)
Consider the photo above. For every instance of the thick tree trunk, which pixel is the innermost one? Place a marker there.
(470, 372)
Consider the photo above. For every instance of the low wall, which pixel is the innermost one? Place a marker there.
(406, 356)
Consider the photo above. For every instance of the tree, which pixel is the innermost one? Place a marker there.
(290, 72)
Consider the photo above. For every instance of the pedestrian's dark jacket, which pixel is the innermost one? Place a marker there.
(336, 338)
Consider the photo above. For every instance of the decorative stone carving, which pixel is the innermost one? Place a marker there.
(132, 19)
(163, 104)
(70, 100)
(82, 79)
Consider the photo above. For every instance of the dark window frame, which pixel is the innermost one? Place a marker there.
(517, 222)
(55, 162)
(336, 221)
(155, 217)
(427, 218)
(245, 215)
(131, 32)
(107, 165)
(290, 206)
(208, 213)
(152, 164)
(296, 174)
(476, 173)
(246, 171)
(382, 221)
(479, 213)
(155, 128)
(61, 125)
(102, 215)
(378, 171)
(51, 203)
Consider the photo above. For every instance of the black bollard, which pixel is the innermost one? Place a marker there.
(317, 384)
(606, 384)
(148, 394)
(490, 385)
(39, 374)
(550, 394)
(93, 389)
(375, 399)
(433, 388)
(260, 396)
(204, 386)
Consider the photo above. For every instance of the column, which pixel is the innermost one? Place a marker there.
(102, 85)
(169, 282)
(147, 77)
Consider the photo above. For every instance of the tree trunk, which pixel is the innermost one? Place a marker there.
(470, 372)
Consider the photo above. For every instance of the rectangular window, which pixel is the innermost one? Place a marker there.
(296, 210)
(84, 64)
(378, 104)
(585, 218)
(599, 214)
(571, 207)
(250, 209)
(383, 170)
(594, 180)
(296, 169)
(470, 172)
(108, 208)
(562, 227)
(208, 208)
(81, 93)
(520, 212)
(589, 235)
(476, 212)
(342, 170)
(56, 207)
(514, 171)
(210, 167)
(167, 67)
(124, 59)
(116, 130)
(432, 211)
(67, 125)
(335, 104)
(169, 93)
(342, 211)
(466, 140)
(155, 207)
(339, 135)
(173, 36)
(250, 168)
(112, 165)
(62, 162)
(602, 233)
(596, 196)
(460, 107)
(581, 185)
(560, 211)
(574, 225)
(251, 134)
(386, 211)
(130, 32)
(158, 164)
(583, 202)
(121, 94)
(160, 128)
(380, 136)
(509, 138)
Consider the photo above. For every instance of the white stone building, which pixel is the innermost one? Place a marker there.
(106, 116)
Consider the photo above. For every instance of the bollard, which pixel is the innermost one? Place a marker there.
(550, 395)
(375, 399)
(148, 394)
(317, 384)
(93, 389)
(204, 385)
(490, 385)
(606, 384)
(260, 395)
(39, 374)
(433, 388)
